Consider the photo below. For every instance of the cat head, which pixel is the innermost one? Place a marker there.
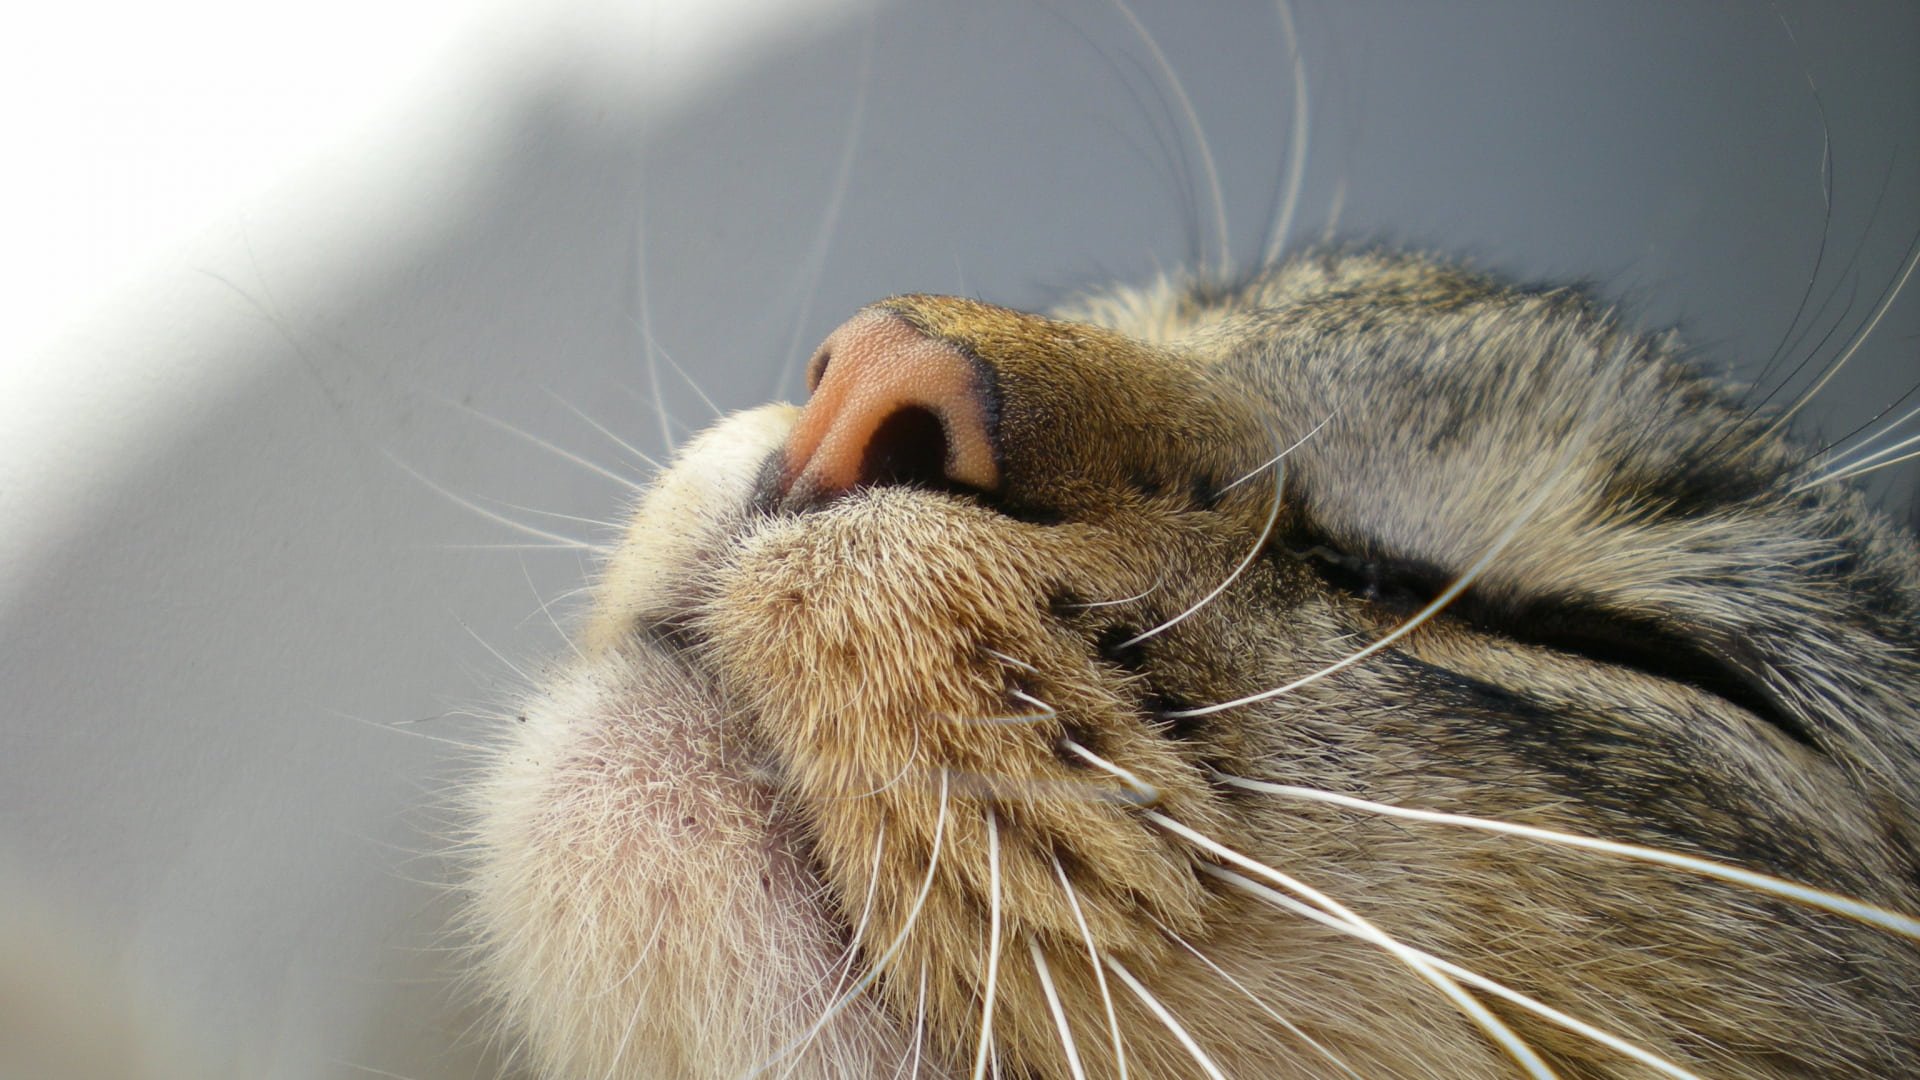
(1359, 666)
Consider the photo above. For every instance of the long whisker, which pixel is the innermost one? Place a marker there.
(845, 965)
(920, 1020)
(626, 1037)
(1147, 794)
(813, 267)
(1281, 456)
(686, 378)
(560, 452)
(557, 545)
(993, 947)
(1159, 1010)
(1852, 473)
(1256, 999)
(1414, 622)
(602, 429)
(1847, 277)
(578, 518)
(1832, 449)
(1860, 337)
(557, 539)
(1099, 972)
(880, 965)
(525, 679)
(1179, 91)
(1439, 603)
(1278, 464)
(910, 1057)
(1860, 911)
(1012, 661)
(646, 318)
(546, 609)
(1494, 1028)
(1826, 201)
(1297, 138)
(1862, 466)
(913, 756)
(1473, 978)
(1043, 712)
(1336, 206)
(996, 786)
(1053, 1006)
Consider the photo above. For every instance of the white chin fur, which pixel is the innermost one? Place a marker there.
(642, 906)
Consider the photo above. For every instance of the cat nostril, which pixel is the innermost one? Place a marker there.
(894, 406)
(909, 447)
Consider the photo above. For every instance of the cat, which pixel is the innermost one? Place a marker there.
(1354, 666)
(1358, 667)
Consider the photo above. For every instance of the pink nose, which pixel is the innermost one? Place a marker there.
(891, 405)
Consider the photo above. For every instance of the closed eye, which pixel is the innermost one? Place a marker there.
(1564, 624)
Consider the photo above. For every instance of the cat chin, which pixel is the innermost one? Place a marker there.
(642, 900)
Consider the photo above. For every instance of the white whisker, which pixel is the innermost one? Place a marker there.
(557, 540)
(560, 452)
(1438, 604)
(1045, 712)
(1278, 464)
(1870, 914)
(646, 316)
(525, 679)
(547, 610)
(845, 964)
(557, 545)
(1146, 793)
(920, 1020)
(813, 267)
(1859, 338)
(1279, 457)
(1832, 452)
(684, 377)
(1053, 1006)
(620, 1050)
(913, 756)
(623, 444)
(1516, 1047)
(1532, 1005)
(1903, 458)
(1099, 972)
(1153, 1005)
(1011, 661)
(993, 946)
(1861, 467)
(1291, 1027)
(1296, 137)
(879, 965)
(595, 522)
(1179, 91)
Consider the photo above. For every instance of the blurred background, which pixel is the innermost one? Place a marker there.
(296, 299)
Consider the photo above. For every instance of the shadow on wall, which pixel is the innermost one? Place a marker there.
(242, 689)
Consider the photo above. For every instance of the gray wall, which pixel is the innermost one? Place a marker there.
(243, 661)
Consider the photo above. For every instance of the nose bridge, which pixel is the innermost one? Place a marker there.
(891, 403)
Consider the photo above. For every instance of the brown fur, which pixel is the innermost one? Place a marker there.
(851, 678)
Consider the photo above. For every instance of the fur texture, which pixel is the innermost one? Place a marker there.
(927, 777)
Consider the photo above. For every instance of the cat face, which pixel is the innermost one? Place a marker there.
(1143, 687)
